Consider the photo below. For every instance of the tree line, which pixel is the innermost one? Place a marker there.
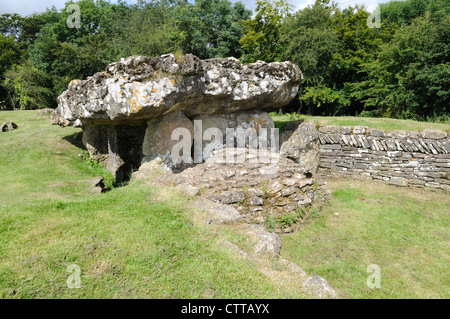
(399, 69)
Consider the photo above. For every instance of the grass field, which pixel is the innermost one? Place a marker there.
(139, 241)
(402, 230)
(376, 123)
(131, 242)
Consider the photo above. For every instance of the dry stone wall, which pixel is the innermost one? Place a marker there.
(401, 158)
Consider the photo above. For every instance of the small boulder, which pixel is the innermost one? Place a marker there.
(433, 134)
(266, 243)
(45, 111)
(97, 184)
(319, 288)
(8, 126)
(189, 190)
(223, 214)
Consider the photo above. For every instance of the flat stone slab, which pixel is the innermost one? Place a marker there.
(266, 243)
(218, 214)
(142, 88)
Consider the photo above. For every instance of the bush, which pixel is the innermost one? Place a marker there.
(29, 87)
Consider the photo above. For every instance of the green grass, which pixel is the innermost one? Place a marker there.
(38, 161)
(126, 247)
(404, 231)
(386, 124)
(136, 241)
(141, 241)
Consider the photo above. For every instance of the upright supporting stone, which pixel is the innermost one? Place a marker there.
(117, 147)
(158, 137)
(114, 161)
(303, 146)
(96, 142)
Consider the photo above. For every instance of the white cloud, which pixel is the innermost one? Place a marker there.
(27, 7)
(370, 4)
(302, 4)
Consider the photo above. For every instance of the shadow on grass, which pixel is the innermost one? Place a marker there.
(76, 140)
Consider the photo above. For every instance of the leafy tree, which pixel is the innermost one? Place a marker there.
(403, 12)
(10, 54)
(67, 53)
(212, 28)
(310, 41)
(25, 29)
(29, 87)
(146, 29)
(262, 39)
(410, 78)
(330, 46)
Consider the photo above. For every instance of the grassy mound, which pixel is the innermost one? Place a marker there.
(140, 241)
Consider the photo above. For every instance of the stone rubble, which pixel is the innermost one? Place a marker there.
(266, 192)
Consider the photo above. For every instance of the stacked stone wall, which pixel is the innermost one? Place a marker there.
(402, 158)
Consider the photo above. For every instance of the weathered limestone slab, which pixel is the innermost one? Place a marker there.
(129, 112)
(141, 88)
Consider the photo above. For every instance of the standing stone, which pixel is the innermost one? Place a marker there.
(303, 146)
(95, 139)
(158, 137)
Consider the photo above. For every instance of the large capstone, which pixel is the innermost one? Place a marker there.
(128, 112)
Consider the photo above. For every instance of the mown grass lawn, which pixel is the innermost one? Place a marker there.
(386, 124)
(405, 231)
(139, 241)
(136, 241)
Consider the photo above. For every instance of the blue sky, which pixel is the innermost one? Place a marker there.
(26, 7)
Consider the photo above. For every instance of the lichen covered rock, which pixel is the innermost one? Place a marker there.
(142, 88)
(130, 112)
(303, 146)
